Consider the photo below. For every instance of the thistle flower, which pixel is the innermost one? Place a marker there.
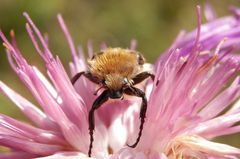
(190, 102)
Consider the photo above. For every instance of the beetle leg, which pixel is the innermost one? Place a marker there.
(96, 104)
(88, 75)
(142, 76)
(76, 77)
(139, 93)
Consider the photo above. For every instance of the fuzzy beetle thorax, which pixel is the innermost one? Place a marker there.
(115, 66)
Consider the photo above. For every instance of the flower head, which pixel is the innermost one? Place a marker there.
(193, 98)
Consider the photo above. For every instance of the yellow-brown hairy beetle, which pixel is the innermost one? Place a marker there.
(116, 70)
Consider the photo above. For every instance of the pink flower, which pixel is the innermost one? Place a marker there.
(189, 102)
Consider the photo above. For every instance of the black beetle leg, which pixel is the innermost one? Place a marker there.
(139, 93)
(142, 76)
(96, 104)
(88, 75)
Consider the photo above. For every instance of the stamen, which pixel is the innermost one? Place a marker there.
(207, 64)
(12, 34)
(220, 45)
(6, 46)
(212, 59)
(47, 52)
(14, 43)
(34, 41)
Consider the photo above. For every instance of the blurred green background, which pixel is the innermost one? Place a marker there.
(153, 23)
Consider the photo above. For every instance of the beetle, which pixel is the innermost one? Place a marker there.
(116, 70)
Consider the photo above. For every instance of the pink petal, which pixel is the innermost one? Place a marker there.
(17, 155)
(60, 80)
(28, 145)
(30, 110)
(24, 131)
(133, 44)
(211, 127)
(69, 39)
(222, 101)
(209, 12)
(128, 153)
(90, 49)
(66, 155)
